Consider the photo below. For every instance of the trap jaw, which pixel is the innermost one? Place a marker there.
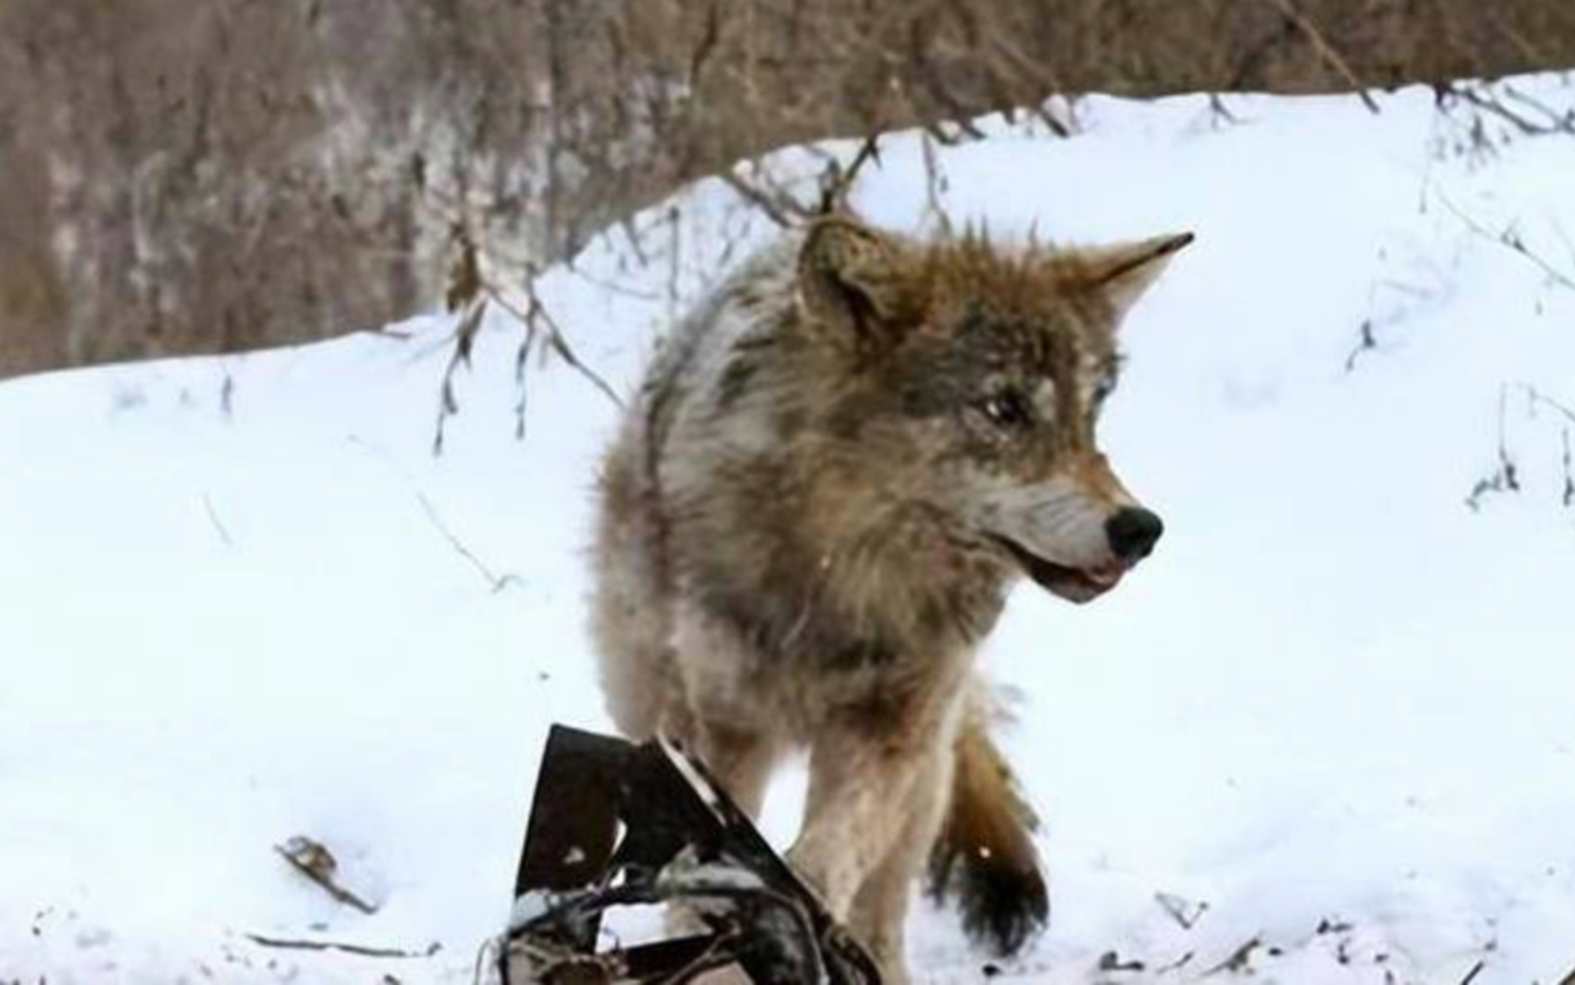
(614, 824)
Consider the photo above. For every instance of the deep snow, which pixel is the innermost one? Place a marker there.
(232, 608)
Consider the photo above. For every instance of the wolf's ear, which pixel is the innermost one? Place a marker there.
(847, 279)
(1124, 271)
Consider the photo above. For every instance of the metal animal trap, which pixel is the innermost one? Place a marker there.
(618, 824)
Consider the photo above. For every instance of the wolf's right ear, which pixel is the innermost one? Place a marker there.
(1125, 270)
(847, 280)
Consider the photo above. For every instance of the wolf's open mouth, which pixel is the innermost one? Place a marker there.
(1072, 584)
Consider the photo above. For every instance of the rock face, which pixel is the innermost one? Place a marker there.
(183, 176)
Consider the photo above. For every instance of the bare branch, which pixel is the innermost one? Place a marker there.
(1327, 52)
(1219, 113)
(1536, 398)
(1506, 478)
(542, 329)
(1483, 97)
(464, 340)
(935, 184)
(1511, 239)
(836, 182)
(777, 206)
(356, 949)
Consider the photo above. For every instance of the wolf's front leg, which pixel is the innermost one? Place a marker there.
(881, 907)
(862, 787)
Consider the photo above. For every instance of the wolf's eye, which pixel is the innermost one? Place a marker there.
(1107, 381)
(1008, 409)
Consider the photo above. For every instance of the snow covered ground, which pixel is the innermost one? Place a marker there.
(1333, 713)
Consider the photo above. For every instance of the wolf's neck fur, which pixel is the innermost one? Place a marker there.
(837, 567)
(877, 596)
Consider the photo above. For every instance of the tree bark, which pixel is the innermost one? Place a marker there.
(185, 176)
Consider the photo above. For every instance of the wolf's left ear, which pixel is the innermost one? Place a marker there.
(1125, 270)
(847, 279)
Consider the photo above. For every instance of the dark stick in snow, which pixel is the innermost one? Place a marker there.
(357, 949)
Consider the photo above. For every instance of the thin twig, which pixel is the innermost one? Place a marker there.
(836, 181)
(1561, 122)
(775, 207)
(521, 364)
(937, 129)
(1239, 959)
(487, 956)
(471, 289)
(1497, 108)
(675, 259)
(1507, 476)
(498, 582)
(218, 524)
(935, 185)
(357, 949)
(1471, 975)
(1504, 479)
(464, 340)
(1539, 399)
(1326, 50)
(1490, 102)
(613, 287)
(546, 327)
(1175, 965)
(1219, 111)
(1185, 913)
(1510, 239)
(1010, 57)
(1365, 342)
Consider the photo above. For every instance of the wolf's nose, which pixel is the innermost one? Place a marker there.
(1132, 532)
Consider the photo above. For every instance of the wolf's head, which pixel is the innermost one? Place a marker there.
(972, 377)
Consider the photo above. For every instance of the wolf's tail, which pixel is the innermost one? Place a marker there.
(985, 856)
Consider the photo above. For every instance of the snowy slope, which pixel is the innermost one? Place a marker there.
(234, 605)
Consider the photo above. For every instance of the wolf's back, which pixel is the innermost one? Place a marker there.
(665, 430)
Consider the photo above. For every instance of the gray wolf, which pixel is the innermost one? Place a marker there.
(837, 466)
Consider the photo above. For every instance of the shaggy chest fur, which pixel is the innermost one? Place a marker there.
(864, 631)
